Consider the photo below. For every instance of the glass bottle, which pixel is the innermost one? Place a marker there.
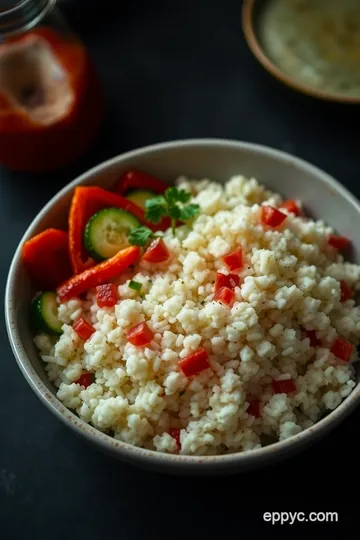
(51, 99)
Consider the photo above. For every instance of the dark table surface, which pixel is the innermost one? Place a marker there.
(171, 70)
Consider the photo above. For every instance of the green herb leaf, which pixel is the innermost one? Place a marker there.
(174, 195)
(140, 235)
(184, 196)
(135, 285)
(174, 212)
(171, 195)
(189, 212)
(155, 209)
(171, 204)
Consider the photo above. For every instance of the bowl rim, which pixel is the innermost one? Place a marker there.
(126, 451)
(258, 51)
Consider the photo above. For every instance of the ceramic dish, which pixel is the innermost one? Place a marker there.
(322, 197)
(312, 46)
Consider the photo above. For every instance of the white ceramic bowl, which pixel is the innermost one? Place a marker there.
(216, 159)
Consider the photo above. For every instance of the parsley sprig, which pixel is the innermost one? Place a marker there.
(140, 236)
(171, 204)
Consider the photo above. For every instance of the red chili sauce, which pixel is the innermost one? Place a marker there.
(51, 101)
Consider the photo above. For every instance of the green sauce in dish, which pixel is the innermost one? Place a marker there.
(316, 42)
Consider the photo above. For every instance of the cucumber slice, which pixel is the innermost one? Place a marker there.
(107, 232)
(45, 313)
(140, 196)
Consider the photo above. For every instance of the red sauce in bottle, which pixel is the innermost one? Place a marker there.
(51, 100)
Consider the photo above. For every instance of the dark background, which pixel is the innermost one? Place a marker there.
(170, 70)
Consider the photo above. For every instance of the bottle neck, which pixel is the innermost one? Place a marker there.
(20, 15)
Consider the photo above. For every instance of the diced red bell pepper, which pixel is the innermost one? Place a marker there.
(194, 363)
(342, 349)
(225, 296)
(314, 341)
(106, 295)
(85, 379)
(345, 291)
(140, 335)
(234, 261)
(338, 242)
(83, 328)
(254, 407)
(272, 217)
(136, 179)
(175, 434)
(286, 386)
(99, 274)
(46, 258)
(291, 206)
(230, 281)
(85, 203)
(157, 252)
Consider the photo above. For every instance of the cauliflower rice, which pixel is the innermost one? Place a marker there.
(290, 283)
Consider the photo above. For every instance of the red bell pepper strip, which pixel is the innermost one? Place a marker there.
(46, 259)
(86, 202)
(136, 179)
(99, 274)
